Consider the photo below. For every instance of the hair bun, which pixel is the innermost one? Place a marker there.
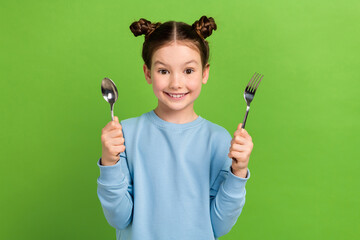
(204, 26)
(143, 26)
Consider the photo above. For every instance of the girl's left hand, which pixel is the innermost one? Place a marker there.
(240, 150)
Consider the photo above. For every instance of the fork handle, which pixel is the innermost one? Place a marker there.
(246, 114)
(243, 124)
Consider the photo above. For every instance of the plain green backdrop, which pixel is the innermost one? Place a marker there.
(303, 121)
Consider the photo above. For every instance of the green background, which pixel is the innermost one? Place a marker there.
(304, 119)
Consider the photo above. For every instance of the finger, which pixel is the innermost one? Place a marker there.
(238, 148)
(115, 133)
(245, 134)
(238, 130)
(242, 132)
(109, 136)
(235, 154)
(238, 140)
(113, 142)
(111, 125)
(116, 150)
(117, 141)
(240, 156)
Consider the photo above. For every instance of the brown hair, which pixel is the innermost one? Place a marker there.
(159, 34)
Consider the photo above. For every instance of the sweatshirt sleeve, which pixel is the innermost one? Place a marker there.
(227, 197)
(115, 193)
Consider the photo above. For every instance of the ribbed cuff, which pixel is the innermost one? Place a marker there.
(111, 175)
(234, 185)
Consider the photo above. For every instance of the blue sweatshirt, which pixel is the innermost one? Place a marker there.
(172, 182)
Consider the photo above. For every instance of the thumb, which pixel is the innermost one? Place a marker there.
(116, 119)
(239, 126)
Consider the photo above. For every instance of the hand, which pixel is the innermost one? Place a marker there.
(240, 150)
(112, 142)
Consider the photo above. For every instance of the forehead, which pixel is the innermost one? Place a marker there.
(178, 52)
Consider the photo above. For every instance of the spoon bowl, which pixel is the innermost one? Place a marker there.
(110, 93)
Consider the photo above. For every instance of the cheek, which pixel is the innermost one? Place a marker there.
(158, 87)
(194, 85)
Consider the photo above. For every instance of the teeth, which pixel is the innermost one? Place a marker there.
(176, 95)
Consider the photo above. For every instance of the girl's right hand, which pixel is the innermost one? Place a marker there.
(112, 141)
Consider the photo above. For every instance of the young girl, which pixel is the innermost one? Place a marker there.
(180, 175)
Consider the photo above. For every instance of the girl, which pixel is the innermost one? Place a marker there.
(180, 175)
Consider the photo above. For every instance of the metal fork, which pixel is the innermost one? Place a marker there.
(250, 92)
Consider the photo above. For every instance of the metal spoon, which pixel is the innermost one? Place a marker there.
(110, 93)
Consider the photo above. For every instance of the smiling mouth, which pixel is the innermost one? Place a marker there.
(176, 95)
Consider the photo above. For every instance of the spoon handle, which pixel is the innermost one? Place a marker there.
(112, 112)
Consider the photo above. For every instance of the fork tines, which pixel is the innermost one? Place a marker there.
(254, 83)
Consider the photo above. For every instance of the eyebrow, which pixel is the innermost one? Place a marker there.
(158, 62)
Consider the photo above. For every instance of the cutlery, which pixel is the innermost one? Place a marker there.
(250, 93)
(110, 93)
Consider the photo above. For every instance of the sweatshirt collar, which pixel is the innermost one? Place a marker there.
(180, 126)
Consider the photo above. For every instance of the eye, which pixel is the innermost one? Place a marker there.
(162, 71)
(189, 71)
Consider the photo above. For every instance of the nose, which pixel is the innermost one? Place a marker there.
(175, 81)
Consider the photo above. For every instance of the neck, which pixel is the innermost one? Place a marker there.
(179, 117)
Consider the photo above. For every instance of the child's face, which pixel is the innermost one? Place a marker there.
(177, 77)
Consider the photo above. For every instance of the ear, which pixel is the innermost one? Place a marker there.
(205, 73)
(147, 74)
